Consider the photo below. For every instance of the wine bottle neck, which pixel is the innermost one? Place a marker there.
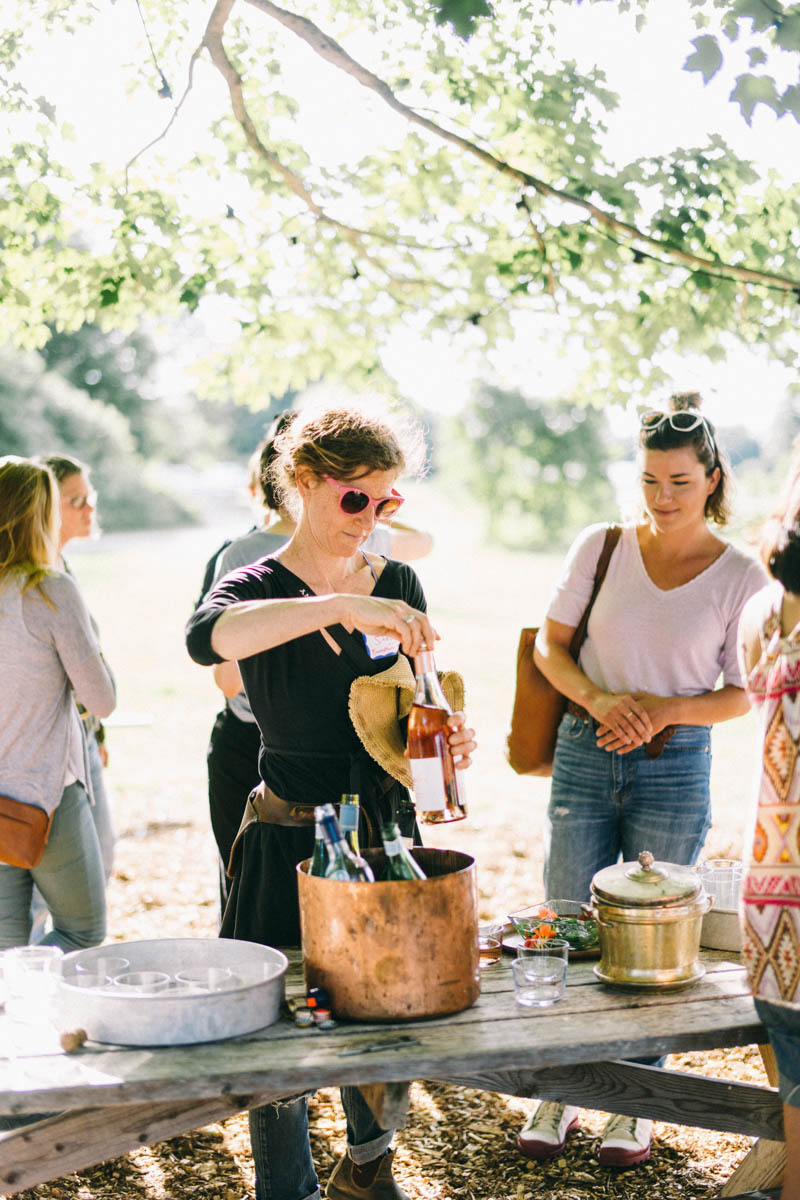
(428, 689)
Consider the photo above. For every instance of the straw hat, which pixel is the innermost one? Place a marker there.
(379, 702)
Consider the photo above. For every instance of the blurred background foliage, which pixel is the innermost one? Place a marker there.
(536, 469)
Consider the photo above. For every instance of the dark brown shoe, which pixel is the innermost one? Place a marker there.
(342, 1185)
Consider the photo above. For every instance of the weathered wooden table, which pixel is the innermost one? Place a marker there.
(113, 1099)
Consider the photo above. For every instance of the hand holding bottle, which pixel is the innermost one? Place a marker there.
(389, 618)
(461, 741)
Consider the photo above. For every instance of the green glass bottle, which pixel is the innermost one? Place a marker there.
(342, 863)
(319, 859)
(349, 812)
(400, 863)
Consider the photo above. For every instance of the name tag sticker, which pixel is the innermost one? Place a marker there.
(380, 645)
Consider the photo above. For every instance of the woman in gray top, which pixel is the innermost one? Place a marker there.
(48, 650)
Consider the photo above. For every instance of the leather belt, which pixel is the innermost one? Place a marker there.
(263, 805)
(653, 749)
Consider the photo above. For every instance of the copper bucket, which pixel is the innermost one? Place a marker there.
(394, 951)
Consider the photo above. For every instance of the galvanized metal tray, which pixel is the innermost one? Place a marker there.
(248, 999)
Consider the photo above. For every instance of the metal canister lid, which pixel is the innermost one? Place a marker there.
(646, 883)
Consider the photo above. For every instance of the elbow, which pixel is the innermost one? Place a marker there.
(200, 646)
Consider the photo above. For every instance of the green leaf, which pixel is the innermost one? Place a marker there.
(707, 57)
(751, 90)
(756, 57)
(461, 14)
(787, 35)
(791, 101)
(763, 13)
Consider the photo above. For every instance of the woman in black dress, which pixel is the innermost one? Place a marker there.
(303, 623)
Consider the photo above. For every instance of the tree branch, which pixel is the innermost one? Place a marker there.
(212, 40)
(326, 47)
(172, 119)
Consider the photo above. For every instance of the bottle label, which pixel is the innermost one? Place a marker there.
(380, 645)
(429, 793)
(393, 847)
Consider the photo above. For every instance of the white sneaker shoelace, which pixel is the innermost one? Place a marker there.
(546, 1120)
(623, 1129)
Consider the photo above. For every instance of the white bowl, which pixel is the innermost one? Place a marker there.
(721, 930)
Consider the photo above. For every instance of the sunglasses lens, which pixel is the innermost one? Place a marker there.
(354, 501)
(685, 421)
(650, 420)
(387, 508)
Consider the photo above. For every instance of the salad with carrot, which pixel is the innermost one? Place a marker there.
(579, 929)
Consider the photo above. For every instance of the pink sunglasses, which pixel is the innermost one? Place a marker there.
(353, 500)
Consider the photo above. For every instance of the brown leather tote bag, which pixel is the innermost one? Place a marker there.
(538, 706)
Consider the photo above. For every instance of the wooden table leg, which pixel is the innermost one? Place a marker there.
(763, 1167)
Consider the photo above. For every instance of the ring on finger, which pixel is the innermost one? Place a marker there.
(410, 619)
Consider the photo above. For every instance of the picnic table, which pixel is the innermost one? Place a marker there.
(110, 1099)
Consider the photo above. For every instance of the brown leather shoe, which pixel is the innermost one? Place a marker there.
(342, 1185)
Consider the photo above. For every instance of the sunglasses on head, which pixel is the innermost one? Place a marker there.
(684, 421)
(353, 500)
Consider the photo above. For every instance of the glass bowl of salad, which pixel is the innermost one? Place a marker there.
(566, 919)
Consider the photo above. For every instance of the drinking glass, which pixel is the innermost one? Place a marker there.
(540, 977)
(207, 979)
(134, 983)
(85, 979)
(722, 879)
(31, 975)
(489, 945)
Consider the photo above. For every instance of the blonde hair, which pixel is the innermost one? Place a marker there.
(29, 518)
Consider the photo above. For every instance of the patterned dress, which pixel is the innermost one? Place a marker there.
(771, 893)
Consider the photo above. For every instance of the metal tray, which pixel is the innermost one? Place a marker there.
(250, 1000)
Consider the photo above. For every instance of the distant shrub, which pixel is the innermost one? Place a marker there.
(41, 413)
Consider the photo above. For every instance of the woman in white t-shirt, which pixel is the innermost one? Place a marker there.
(633, 754)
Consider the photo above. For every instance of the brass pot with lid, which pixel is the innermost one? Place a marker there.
(648, 917)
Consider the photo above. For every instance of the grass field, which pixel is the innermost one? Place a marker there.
(141, 588)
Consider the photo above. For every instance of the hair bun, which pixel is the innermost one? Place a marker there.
(680, 401)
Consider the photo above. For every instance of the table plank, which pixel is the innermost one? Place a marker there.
(644, 1091)
(495, 1033)
(73, 1141)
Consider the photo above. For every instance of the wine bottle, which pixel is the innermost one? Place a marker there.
(342, 863)
(319, 859)
(349, 812)
(438, 793)
(400, 862)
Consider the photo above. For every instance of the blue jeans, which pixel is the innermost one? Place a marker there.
(783, 1027)
(282, 1152)
(70, 878)
(604, 805)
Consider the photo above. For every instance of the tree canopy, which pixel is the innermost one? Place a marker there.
(486, 194)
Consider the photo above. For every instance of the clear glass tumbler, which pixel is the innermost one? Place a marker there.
(722, 879)
(540, 974)
(31, 975)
